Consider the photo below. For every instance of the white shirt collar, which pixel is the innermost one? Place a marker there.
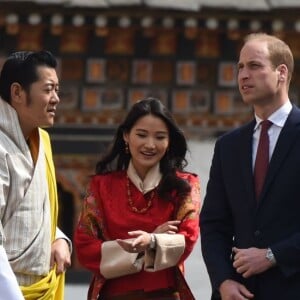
(278, 117)
(151, 181)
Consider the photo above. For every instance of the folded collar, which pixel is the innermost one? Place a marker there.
(151, 180)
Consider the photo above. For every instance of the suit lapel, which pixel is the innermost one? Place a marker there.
(286, 139)
(245, 157)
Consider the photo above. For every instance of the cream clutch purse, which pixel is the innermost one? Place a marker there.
(117, 262)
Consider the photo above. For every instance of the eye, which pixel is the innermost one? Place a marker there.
(254, 65)
(50, 88)
(161, 137)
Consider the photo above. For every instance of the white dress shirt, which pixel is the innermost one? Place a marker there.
(278, 118)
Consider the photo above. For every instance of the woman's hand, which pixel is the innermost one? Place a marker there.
(138, 244)
(142, 239)
(170, 227)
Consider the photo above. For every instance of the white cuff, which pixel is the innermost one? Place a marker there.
(169, 248)
(60, 235)
(116, 262)
(9, 286)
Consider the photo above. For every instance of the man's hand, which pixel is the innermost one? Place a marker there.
(233, 290)
(60, 255)
(251, 261)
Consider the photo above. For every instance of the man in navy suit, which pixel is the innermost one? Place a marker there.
(251, 244)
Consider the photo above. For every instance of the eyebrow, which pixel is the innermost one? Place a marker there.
(144, 130)
(50, 82)
(255, 61)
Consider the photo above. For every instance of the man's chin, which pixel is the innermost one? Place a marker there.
(248, 100)
(47, 125)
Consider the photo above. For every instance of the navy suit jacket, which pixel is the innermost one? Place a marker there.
(231, 216)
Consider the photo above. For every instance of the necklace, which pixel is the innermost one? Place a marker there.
(130, 201)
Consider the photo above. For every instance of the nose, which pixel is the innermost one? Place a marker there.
(150, 144)
(55, 97)
(243, 73)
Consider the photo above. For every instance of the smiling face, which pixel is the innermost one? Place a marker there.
(37, 107)
(148, 141)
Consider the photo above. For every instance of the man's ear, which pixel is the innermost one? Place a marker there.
(16, 92)
(283, 72)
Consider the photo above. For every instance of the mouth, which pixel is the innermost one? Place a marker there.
(148, 154)
(245, 87)
(51, 111)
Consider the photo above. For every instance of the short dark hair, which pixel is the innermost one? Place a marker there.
(174, 160)
(21, 67)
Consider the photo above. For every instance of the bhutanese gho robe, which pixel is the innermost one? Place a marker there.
(28, 206)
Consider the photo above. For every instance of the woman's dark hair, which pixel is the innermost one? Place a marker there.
(21, 67)
(174, 159)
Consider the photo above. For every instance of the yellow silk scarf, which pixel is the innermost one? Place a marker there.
(50, 287)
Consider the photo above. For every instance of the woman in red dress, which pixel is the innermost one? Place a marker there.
(139, 220)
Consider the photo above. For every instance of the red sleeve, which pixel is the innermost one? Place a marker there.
(188, 213)
(88, 235)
